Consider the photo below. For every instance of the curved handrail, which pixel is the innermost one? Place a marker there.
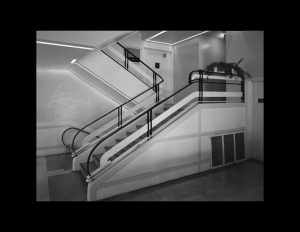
(129, 122)
(106, 115)
(155, 87)
(74, 128)
(190, 82)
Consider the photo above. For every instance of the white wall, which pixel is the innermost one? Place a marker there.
(248, 45)
(211, 50)
(62, 100)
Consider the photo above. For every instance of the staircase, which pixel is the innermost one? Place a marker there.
(95, 164)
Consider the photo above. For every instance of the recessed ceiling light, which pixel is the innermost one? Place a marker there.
(176, 42)
(64, 45)
(156, 35)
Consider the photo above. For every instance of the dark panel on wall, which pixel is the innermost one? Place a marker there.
(239, 146)
(214, 88)
(228, 148)
(217, 154)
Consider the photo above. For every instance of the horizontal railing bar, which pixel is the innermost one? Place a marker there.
(204, 82)
(74, 128)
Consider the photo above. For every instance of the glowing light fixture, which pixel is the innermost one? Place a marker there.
(224, 33)
(64, 45)
(156, 35)
(173, 43)
(73, 61)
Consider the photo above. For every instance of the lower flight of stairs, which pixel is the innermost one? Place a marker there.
(95, 164)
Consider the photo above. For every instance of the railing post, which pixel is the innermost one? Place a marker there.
(200, 86)
(149, 124)
(243, 90)
(150, 112)
(119, 116)
(157, 94)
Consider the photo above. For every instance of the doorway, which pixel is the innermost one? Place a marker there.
(160, 62)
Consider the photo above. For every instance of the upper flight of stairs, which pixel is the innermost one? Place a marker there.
(95, 164)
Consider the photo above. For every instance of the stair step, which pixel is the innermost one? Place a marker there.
(139, 126)
(97, 158)
(129, 133)
(83, 168)
(157, 114)
(107, 148)
(119, 140)
(127, 147)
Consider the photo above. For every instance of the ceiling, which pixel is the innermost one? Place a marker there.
(173, 37)
(50, 56)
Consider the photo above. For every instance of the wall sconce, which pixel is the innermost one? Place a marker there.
(224, 33)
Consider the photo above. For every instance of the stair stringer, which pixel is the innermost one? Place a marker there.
(82, 158)
(113, 180)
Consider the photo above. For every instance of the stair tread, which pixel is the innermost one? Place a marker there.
(92, 167)
(98, 156)
(119, 140)
(109, 146)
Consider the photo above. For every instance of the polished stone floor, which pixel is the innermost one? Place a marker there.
(243, 181)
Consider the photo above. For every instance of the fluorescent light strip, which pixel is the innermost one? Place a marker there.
(158, 42)
(64, 45)
(99, 89)
(156, 35)
(190, 37)
(178, 41)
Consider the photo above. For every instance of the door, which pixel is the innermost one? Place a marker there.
(158, 61)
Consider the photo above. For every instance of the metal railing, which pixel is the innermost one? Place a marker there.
(149, 111)
(155, 88)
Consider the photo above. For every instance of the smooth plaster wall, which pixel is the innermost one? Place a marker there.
(62, 96)
(185, 60)
(248, 45)
(211, 50)
(192, 55)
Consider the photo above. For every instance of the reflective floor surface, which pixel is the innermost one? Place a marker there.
(242, 181)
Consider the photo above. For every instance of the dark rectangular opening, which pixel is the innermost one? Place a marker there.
(136, 52)
(239, 146)
(228, 148)
(217, 154)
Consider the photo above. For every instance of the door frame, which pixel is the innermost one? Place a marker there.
(168, 79)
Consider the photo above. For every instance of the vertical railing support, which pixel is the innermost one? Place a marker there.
(200, 86)
(149, 124)
(243, 90)
(119, 116)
